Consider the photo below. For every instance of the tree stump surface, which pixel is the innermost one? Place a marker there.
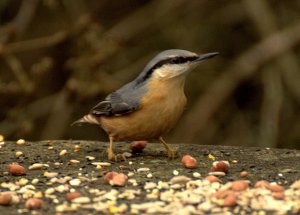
(273, 165)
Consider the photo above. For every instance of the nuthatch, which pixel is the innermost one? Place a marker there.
(149, 106)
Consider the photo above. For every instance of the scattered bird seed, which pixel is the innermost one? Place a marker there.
(66, 208)
(217, 173)
(240, 185)
(211, 157)
(149, 175)
(22, 181)
(19, 154)
(275, 187)
(137, 146)
(34, 203)
(1, 138)
(20, 142)
(35, 181)
(76, 148)
(74, 161)
(212, 178)
(196, 175)
(189, 162)
(75, 182)
(175, 172)
(16, 169)
(5, 199)
(178, 193)
(220, 166)
(126, 154)
(278, 195)
(72, 195)
(49, 191)
(150, 185)
(143, 169)
(130, 174)
(63, 152)
(101, 163)
(90, 158)
(179, 180)
(50, 174)
(36, 166)
(108, 177)
(119, 179)
(81, 200)
(133, 182)
(244, 173)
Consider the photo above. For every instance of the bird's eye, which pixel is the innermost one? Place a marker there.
(177, 60)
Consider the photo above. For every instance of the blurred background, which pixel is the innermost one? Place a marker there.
(59, 58)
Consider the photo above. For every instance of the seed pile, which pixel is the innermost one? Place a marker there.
(80, 180)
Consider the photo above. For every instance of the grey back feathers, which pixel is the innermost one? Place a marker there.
(123, 101)
(127, 99)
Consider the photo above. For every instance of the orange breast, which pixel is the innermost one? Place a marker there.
(159, 111)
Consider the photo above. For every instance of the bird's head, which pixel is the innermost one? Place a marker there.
(172, 63)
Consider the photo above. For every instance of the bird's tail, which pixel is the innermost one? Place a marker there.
(89, 118)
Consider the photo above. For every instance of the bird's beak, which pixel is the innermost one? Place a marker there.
(206, 56)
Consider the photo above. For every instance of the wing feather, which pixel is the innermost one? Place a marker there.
(114, 105)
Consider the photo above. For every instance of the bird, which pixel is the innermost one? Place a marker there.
(150, 105)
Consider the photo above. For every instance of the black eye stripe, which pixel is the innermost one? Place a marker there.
(180, 60)
(170, 61)
(174, 60)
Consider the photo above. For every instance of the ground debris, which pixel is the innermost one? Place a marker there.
(154, 186)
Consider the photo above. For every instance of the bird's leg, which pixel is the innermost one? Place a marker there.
(110, 152)
(111, 155)
(171, 153)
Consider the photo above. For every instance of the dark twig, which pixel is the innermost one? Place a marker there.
(21, 21)
(42, 42)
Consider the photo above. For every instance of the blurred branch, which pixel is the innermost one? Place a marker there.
(243, 67)
(21, 21)
(39, 43)
(59, 118)
(264, 20)
(271, 107)
(20, 74)
(47, 41)
(33, 111)
(25, 15)
(262, 16)
(74, 9)
(127, 28)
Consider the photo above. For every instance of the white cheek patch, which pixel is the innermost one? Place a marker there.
(170, 71)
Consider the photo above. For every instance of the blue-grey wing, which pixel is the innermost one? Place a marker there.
(114, 105)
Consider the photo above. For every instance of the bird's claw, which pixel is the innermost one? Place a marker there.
(116, 157)
(172, 153)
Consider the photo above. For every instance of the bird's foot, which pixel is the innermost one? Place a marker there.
(116, 157)
(172, 153)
